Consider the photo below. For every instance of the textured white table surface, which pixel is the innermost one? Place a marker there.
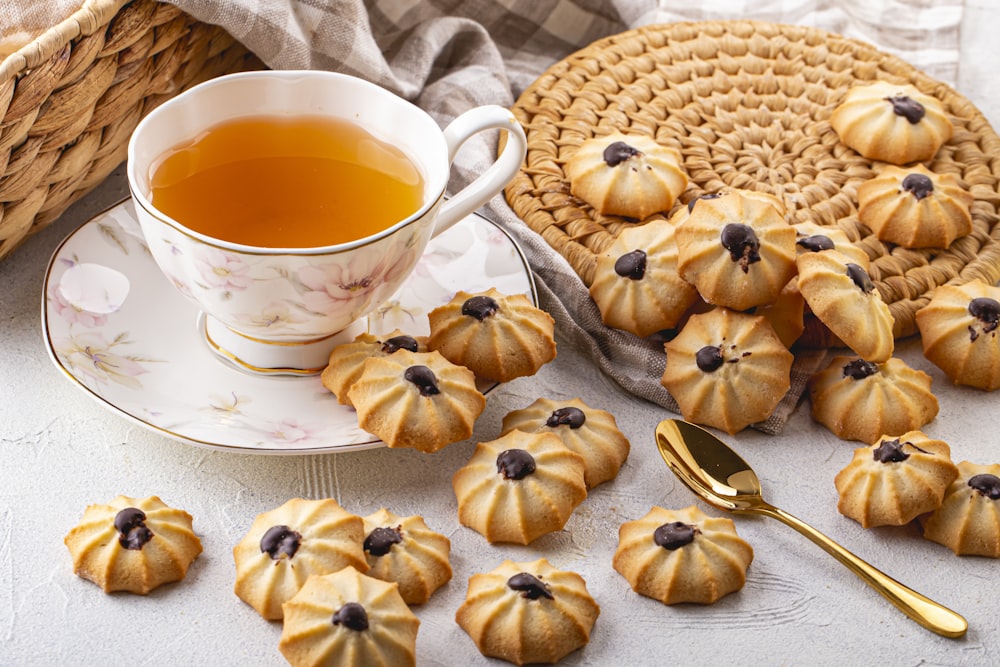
(60, 451)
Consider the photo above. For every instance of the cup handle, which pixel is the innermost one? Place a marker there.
(495, 178)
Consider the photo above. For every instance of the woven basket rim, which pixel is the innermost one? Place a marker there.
(92, 15)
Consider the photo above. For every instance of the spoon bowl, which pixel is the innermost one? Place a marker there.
(720, 477)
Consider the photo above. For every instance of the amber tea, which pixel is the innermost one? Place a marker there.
(286, 182)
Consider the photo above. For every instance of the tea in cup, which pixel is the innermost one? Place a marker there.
(290, 204)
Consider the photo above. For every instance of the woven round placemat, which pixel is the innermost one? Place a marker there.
(747, 104)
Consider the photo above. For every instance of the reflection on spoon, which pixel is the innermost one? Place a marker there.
(720, 477)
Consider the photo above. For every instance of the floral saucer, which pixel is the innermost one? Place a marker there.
(118, 329)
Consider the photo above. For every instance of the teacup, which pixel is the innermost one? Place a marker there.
(282, 309)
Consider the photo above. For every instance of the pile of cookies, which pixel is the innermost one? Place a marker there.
(729, 283)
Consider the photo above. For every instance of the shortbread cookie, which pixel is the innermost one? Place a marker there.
(862, 400)
(519, 487)
(682, 556)
(891, 122)
(497, 336)
(348, 618)
(347, 361)
(133, 544)
(895, 480)
(727, 369)
(636, 285)
(628, 175)
(406, 551)
(959, 333)
(591, 433)
(968, 521)
(810, 237)
(286, 545)
(528, 612)
(416, 399)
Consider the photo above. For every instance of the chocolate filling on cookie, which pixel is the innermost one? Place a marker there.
(572, 417)
(632, 265)
(515, 464)
(619, 152)
(860, 278)
(131, 526)
(674, 535)
(987, 311)
(712, 195)
(530, 586)
(890, 451)
(919, 185)
(816, 243)
(907, 107)
(381, 539)
(423, 378)
(403, 342)
(480, 307)
(859, 369)
(742, 244)
(986, 484)
(280, 542)
(352, 615)
(709, 358)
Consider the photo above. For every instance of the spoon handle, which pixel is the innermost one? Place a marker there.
(923, 610)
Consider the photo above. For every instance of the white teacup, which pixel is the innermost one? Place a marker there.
(283, 309)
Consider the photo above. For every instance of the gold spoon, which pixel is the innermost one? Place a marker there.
(724, 480)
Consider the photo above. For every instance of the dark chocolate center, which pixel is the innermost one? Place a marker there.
(632, 265)
(619, 152)
(423, 378)
(530, 586)
(515, 464)
(907, 107)
(987, 311)
(131, 526)
(816, 243)
(742, 244)
(480, 307)
(890, 451)
(859, 369)
(352, 615)
(709, 358)
(572, 417)
(713, 195)
(674, 535)
(399, 343)
(986, 484)
(919, 185)
(860, 278)
(381, 539)
(280, 542)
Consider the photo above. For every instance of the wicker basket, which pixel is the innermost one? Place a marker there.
(70, 100)
(747, 104)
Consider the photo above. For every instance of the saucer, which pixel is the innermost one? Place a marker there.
(121, 332)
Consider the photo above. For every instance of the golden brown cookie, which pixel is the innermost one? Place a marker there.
(348, 618)
(519, 487)
(895, 480)
(497, 336)
(416, 399)
(915, 208)
(591, 433)
(629, 175)
(347, 361)
(528, 612)
(891, 122)
(286, 545)
(862, 400)
(968, 521)
(810, 237)
(682, 556)
(406, 551)
(727, 369)
(736, 249)
(636, 285)
(959, 333)
(133, 544)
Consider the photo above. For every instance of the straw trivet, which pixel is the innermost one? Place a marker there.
(748, 104)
